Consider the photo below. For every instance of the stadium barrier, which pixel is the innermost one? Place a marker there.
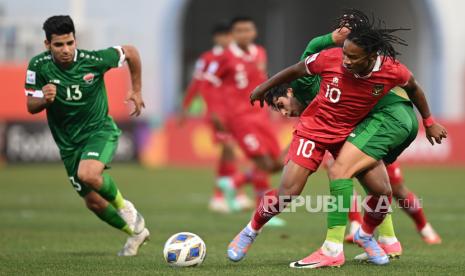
(192, 145)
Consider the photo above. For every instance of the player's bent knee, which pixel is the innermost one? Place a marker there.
(95, 205)
(90, 177)
(338, 171)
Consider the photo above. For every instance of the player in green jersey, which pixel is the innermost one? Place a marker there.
(68, 83)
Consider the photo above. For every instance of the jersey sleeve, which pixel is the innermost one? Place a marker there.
(34, 80)
(318, 44)
(110, 58)
(215, 71)
(314, 64)
(403, 75)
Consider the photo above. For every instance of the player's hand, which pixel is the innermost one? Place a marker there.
(136, 98)
(50, 92)
(257, 95)
(435, 133)
(339, 35)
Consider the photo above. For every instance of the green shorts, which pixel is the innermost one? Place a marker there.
(386, 133)
(99, 146)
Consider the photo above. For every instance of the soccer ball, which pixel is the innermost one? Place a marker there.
(184, 249)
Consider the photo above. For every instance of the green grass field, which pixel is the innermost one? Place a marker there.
(45, 229)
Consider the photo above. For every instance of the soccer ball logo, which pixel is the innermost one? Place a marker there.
(184, 249)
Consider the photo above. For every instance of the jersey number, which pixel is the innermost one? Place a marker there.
(306, 148)
(241, 78)
(75, 184)
(73, 93)
(333, 94)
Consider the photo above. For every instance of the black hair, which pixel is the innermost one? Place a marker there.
(276, 92)
(238, 19)
(58, 25)
(370, 34)
(221, 28)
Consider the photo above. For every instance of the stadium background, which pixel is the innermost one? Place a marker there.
(44, 227)
(172, 33)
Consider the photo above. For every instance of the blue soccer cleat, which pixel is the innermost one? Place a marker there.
(237, 249)
(375, 254)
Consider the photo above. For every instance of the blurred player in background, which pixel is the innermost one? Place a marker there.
(241, 68)
(207, 85)
(68, 83)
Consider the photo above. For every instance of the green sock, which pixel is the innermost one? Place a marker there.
(386, 228)
(340, 189)
(111, 216)
(110, 192)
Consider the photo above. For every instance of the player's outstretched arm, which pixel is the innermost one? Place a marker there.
(135, 69)
(287, 75)
(417, 96)
(36, 105)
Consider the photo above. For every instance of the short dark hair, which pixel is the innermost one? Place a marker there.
(238, 19)
(276, 92)
(221, 28)
(58, 25)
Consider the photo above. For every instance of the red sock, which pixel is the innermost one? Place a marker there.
(261, 184)
(354, 213)
(395, 174)
(412, 206)
(268, 208)
(372, 218)
(226, 168)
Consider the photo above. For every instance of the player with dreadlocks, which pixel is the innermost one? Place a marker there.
(353, 80)
(292, 99)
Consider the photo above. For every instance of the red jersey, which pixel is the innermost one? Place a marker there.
(202, 82)
(237, 73)
(344, 98)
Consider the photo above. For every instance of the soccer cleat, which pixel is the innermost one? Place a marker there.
(375, 254)
(129, 214)
(244, 202)
(354, 225)
(429, 235)
(139, 225)
(318, 259)
(394, 251)
(218, 205)
(238, 248)
(134, 242)
(275, 222)
(227, 187)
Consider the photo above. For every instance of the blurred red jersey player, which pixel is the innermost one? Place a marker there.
(208, 85)
(241, 68)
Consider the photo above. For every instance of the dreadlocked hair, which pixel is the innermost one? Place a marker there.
(274, 93)
(370, 34)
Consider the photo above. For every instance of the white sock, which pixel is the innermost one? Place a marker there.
(354, 225)
(331, 248)
(387, 240)
(364, 234)
(251, 228)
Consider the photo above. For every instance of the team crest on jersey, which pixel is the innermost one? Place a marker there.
(378, 89)
(89, 78)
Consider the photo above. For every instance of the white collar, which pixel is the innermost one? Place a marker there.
(238, 52)
(217, 50)
(376, 68)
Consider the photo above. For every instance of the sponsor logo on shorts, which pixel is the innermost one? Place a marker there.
(93, 154)
(378, 89)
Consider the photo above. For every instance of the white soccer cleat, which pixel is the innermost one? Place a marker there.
(134, 242)
(139, 226)
(218, 205)
(129, 214)
(244, 202)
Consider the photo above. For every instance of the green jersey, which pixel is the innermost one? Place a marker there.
(81, 106)
(307, 88)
